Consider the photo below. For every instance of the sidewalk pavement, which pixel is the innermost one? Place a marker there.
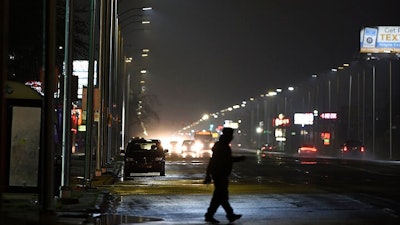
(23, 208)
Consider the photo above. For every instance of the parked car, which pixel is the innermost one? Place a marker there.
(352, 148)
(144, 155)
(307, 150)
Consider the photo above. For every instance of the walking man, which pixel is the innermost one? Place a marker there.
(218, 170)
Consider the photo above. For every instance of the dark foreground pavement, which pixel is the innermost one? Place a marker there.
(90, 206)
(84, 204)
(155, 209)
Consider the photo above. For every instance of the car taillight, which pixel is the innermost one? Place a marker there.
(345, 148)
(362, 149)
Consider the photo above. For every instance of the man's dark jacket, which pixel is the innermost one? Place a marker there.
(220, 164)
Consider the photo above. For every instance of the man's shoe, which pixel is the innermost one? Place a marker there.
(211, 219)
(233, 217)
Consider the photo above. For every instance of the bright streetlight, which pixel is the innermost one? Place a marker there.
(259, 130)
(205, 117)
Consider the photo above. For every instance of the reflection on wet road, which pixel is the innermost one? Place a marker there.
(275, 189)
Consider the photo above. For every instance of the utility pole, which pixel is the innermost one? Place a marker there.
(4, 9)
(89, 96)
(65, 191)
(100, 79)
(46, 194)
(390, 112)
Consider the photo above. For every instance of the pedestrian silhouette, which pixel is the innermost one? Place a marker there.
(218, 170)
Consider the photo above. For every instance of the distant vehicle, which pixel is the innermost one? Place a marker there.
(265, 149)
(194, 149)
(307, 150)
(173, 146)
(268, 147)
(144, 155)
(189, 146)
(204, 139)
(352, 148)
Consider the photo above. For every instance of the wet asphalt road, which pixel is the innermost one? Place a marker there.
(271, 190)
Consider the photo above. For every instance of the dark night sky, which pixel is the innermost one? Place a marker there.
(207, 55)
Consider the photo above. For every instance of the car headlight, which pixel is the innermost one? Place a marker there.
(197, 146)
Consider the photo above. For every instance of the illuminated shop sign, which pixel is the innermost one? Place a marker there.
(280, 134)
(304, 119)
(231, 124)
(326, 137)
(281, 121)
(329, 116)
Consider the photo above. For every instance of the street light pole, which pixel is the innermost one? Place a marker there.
(266, 120)
(100, 78)
(329, 96)
(89, 96)
(4, 20)
(373, 109)
(46, 195)
(390, 110)
(349, 111)
(65, 191)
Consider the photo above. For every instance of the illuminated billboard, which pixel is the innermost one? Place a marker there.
(382, 39)
(304, 119)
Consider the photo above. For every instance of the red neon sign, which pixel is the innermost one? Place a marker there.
(329, 116)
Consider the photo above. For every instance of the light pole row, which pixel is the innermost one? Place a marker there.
(342, 90)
